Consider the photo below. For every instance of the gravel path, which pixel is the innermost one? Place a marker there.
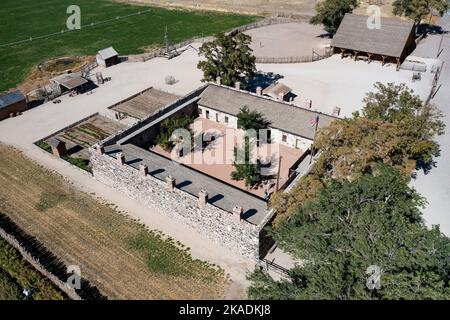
(435, 185)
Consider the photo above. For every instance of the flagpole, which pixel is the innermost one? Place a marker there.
(314, 140)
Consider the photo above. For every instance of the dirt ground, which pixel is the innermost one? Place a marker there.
(302, 9)
(84, 232)
(282, 40)
(42, 73)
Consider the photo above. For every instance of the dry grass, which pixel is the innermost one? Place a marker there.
(299, 8)
(116, 254)
(41, 75)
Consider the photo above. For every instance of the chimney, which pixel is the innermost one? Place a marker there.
(218, 81)
(100, 149)
(170, 183)
(237, 85)
(202, 198)
(281, 96)
(237, 213)
(143, 170)
(259, 91)
(59, 148)
(336, 111)
(120, 158)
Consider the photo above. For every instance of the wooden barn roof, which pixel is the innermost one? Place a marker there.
(390, 40)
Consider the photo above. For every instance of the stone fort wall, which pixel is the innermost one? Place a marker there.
(221, 227)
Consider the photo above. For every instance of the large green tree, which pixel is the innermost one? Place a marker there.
(419, 9)
(417, 123)
(228, 57)
(394, 128)
(246, 168)
(331, 12)
(351, 226)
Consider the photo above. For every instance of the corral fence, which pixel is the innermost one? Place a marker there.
(315, 56)
(436, 69)
(45, 261)
(85, 71)
(167, 52)
(413, 66)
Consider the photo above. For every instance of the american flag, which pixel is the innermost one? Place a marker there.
(314, 121)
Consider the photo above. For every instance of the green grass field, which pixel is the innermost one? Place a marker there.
(22, 19)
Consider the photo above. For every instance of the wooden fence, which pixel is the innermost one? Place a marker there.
(315, 56)
(45, 261)
(166, 52)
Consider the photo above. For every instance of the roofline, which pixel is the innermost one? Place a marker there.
(382, 18)
(270, 126)
(284, 103)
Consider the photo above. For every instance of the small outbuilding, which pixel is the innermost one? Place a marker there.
(12, 104)
(58, 147)
(107, 57)
(278, 91)
(70, 82)
(392, 41)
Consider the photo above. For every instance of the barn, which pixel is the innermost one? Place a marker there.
(392, 42)
(107, 57)
(12, 104)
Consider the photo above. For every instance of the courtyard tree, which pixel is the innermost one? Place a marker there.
(251, 120)
(229, 57)
(168, 126)
(331, 12)
(246, 168)
(350, 228)
(417, 10)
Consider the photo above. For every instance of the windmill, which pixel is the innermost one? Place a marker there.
(168, 51)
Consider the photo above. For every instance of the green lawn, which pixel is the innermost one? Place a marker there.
(22, 19)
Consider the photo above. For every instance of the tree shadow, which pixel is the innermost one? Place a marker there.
(263, 80)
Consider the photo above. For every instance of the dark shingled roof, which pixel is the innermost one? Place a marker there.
(390, 40)
(283, 116)
(11, 98)
(54, 142)
(275, 89)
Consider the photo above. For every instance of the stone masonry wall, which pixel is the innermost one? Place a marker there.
(214, 223)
